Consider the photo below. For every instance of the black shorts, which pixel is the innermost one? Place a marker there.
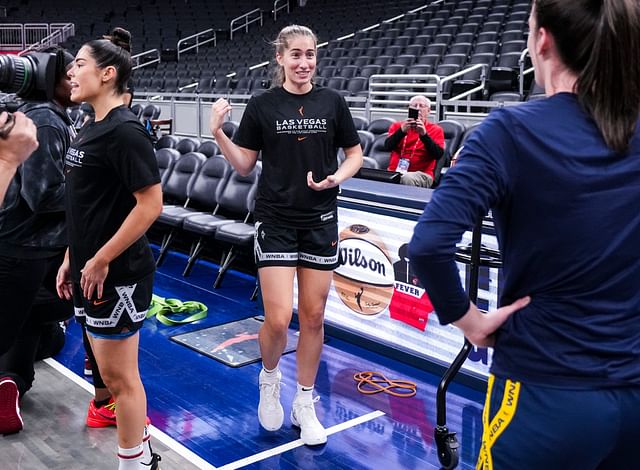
(119, 313)
(315, 248)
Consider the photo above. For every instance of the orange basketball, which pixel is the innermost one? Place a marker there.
(364, 280)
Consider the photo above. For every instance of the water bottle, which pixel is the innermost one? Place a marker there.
(403, 165)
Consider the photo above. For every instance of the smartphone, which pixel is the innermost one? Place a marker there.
(413, 113)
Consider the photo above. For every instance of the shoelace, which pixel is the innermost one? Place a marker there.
(370, 383)
(111, 406)
(272, 390)
(307, 410)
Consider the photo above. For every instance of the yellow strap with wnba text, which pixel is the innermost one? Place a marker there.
(499, 422)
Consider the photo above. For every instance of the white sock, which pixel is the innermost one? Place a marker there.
(146, 446)
(305, 392)
(270, 372)
(130, 459)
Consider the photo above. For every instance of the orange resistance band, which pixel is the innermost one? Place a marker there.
(370, 383)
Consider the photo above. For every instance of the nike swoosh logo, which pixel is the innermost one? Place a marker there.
(100, 302)
(300, 139)
(334, 243)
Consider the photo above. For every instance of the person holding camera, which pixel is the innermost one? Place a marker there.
(415, 144)
(32, 243)
(113, 196)
(18, 139)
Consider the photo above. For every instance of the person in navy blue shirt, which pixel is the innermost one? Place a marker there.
(561, 177)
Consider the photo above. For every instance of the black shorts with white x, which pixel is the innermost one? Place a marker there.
(119, 313)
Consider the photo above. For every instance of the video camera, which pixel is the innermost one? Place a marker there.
(31, 77)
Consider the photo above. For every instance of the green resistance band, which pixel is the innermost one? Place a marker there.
(172, 312)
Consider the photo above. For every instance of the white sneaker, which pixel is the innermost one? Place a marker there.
(270, 412)
(303, 416)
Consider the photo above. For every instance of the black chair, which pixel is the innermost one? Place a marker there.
(234, 201)
(209, 148)
(453, 132)
(369, 162)
(380, 125)
(137, 110)
(229, 128)
(167, 142)
(357, 85)
(337, 83)
(395, 69)
(369, 70)
(176, 194)
(187, 145)
(420, 69)
(166, 158)
(150, 112)
(378, 153)
(405, 59)
(503, 96)
(240, 236)
(366, 139)
(360, 122)
(348, 71)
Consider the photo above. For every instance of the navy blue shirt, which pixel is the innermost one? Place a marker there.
(567, 215)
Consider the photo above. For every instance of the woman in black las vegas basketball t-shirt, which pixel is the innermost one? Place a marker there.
(113, 196)
(297, 126)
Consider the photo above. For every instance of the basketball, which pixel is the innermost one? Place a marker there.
(364, 280)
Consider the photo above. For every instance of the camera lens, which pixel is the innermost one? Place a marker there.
(16, 74)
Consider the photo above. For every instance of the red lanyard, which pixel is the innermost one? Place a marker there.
(404, 145)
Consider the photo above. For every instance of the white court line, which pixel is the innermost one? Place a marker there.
(298, 443)
(199, 461)
(165, 439)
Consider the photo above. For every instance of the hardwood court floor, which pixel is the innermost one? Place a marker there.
(204, 413)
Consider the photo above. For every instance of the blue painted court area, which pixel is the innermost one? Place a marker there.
(210, 408)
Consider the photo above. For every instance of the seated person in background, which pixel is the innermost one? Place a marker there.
(415, 145)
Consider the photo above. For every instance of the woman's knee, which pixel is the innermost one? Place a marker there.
(311, 321)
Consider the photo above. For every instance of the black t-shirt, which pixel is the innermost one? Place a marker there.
(296, 134)
(107, 162)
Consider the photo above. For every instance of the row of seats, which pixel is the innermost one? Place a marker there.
(207, 198)
(372, 135)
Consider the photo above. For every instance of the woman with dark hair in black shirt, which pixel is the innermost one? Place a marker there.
(113, 197)
(297, 126)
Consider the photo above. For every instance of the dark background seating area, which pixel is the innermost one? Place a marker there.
(411, 37)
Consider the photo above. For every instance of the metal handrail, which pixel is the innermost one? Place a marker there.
(137, 59)
(59, 32)
(9, 32)
(427, 84)
(246, 23)
(523, 72)
(279, 5)
(198, 43)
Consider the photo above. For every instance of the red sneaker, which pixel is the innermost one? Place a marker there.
(101, 417)
(10, 419)
(104, 416)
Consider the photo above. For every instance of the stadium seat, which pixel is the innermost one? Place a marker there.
(209, 148)
(378, 153)
(166, 158)
(234, 200)
(187, 145)
(175, 192)
(366, 139)
(380, 125)
(167, 141)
